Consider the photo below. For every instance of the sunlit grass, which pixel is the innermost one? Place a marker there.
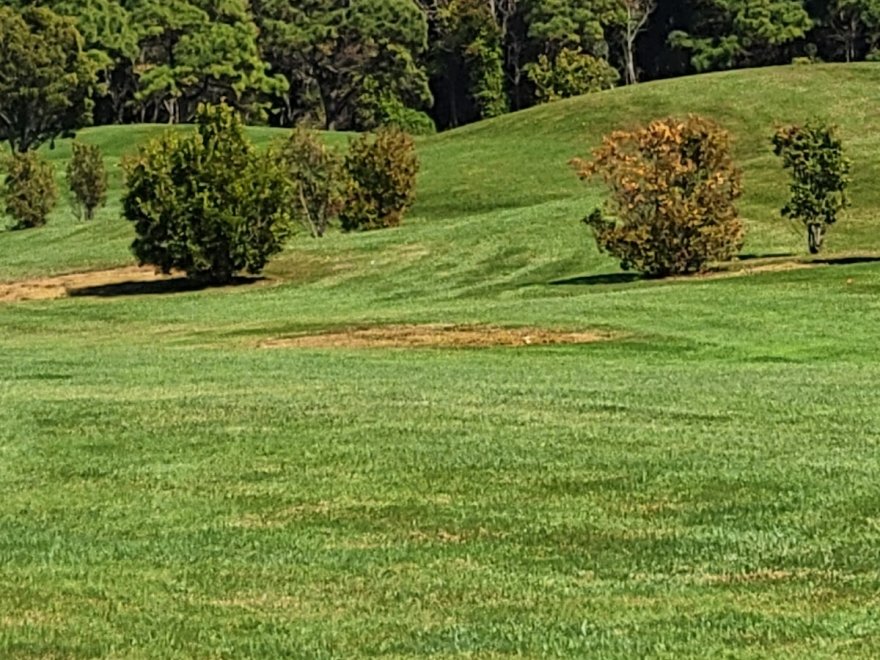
(702, 485)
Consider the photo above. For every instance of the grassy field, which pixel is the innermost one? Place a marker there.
(705, 484)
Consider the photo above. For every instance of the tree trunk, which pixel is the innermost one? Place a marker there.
(815, 235)
(630, 77)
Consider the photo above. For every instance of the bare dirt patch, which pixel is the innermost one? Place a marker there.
(60, 286)
(435, 336)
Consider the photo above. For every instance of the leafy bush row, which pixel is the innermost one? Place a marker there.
(29, 191)
(211, 205)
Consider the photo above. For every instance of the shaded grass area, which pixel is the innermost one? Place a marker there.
(704, 485)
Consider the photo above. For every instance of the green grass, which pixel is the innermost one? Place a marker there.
(703, 486)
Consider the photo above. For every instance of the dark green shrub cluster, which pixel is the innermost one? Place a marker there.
(212, 206)
(207, 203)
(371, 188)
(87, 179)
(29, 190)
(813, 154)
(381, 176)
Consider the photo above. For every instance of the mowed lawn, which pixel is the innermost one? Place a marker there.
(704, 483)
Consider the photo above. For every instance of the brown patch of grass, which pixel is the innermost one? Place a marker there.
(26, 618)
(435, 336)
(767, 575)
(738, 270)
(49, 288)
(282, 517)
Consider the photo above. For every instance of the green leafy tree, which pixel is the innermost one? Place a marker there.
(316, 180)
(300, 38)
(813, 154)
(572, 73)
(46, 77)
(29, 191)
(378, 107)
(381, 179)
(201, 51)
(469, 51)
(573, 24)
(111, 38)
(87, 178)
(330, 52)
(207, 203)
(673, 188)
(735, 33)
(566, 37)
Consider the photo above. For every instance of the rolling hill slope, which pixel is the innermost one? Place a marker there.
(507, 181)
(176, 481)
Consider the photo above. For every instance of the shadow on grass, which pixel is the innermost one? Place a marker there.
(720, 271)
(771, 255)
(156, 287)
(604, 278)
(846, 261)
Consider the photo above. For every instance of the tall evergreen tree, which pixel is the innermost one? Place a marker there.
(46, 77)
(732, 33)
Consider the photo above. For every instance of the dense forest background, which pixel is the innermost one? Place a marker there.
(426, 64)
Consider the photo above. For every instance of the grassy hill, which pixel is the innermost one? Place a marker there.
(518, 164)
(704, 484)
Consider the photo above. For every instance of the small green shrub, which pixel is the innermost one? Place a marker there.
(207, 203)
(570, 73)
(87, 178)
(381, 179)
(29, 190)
(673, 190)
(316, 180)
(813, 153)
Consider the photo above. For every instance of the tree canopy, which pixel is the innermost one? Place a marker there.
(360, 64)
(46, 77)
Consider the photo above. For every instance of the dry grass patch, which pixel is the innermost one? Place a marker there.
(59, 286)
(435, 336)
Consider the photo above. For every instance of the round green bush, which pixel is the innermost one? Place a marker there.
(207, 204)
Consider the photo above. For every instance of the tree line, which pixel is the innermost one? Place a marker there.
(418, 64)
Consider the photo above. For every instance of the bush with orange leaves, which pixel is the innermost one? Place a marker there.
(673, 189)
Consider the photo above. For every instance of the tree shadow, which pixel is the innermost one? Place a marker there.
(626, 278)
(155, 287)
(846, 261)
(604, 278)
(772, 255)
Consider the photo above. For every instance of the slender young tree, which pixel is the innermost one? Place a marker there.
(636, 14)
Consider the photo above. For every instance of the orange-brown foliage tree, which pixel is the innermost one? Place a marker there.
(674, 187)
